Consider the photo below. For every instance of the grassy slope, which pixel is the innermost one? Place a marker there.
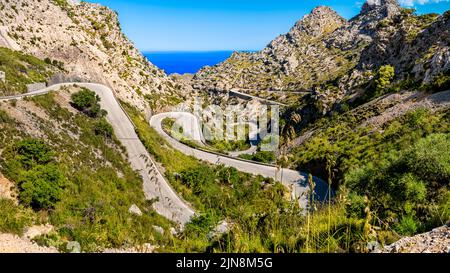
(375, 164)
(101, 186)
(21, 69)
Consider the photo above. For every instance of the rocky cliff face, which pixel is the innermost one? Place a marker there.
(323, 49)
(87, 42)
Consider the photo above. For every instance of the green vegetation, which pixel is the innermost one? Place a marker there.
(103, 128)
(260, 213)
(13, 218)
(41, 187)
(21, 70)
(260, 156)
(403, 171)
(383, 79)
(88, 102)
(414, 23)
(61, 3)
(40, 182)
(224, 146)
(158, 100)
(4, 117)
(439, 83)
(32, 152)
(77, 180)
(408, 185)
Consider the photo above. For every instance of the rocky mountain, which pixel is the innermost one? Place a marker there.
(85, 40)
(333, 57)
(277, 65)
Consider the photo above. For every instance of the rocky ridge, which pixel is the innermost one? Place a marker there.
(332, 57)
(276, 66)
(86, 41)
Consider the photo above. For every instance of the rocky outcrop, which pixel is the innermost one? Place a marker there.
(86, 41)
(360, 30)
(436, 241)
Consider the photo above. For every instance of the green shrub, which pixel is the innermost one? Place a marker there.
(430, 158)
(407, 226)
(355, 207)
(412, 189)
(200, 225)
(103, 128)
(41, 187)
(21, 70)
(87, 102)
(4, 117)
(265, 157)
(198, 178)
(261, 156)
(32, 152)
(52, 239)
(383, 79)
(439, 83)
(61, 3)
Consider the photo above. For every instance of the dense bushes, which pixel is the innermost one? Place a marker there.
(403, 172)
(383, 79)
(87, 102)
(225, 146)
(430, 158)
(40, 181)
(42, 186)
(402, 188)
(103, 128)
(32, 152)
(4, 118)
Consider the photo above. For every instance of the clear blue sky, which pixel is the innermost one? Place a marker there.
(203, 25)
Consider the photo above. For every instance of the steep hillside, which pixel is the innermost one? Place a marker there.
(21, 69)
(68, 168)
(86, 41)
(333, 57)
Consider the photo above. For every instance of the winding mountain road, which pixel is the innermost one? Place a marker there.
(155, 185)
(295, 180)
(168, 203)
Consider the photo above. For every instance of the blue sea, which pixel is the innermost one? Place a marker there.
(186, 62)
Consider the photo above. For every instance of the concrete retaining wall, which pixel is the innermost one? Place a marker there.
(36, 86)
